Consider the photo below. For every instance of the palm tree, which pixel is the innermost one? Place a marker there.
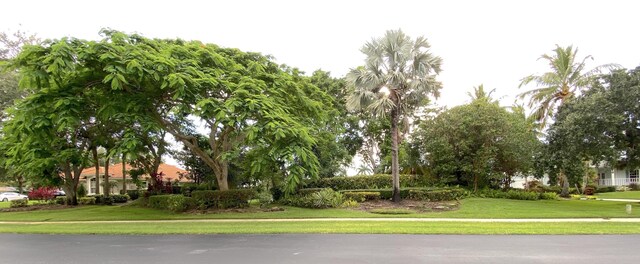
(398, 76)
(566, 79)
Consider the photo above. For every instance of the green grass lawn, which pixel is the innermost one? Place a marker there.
(620, 195)
(470, 208)
(357, 227)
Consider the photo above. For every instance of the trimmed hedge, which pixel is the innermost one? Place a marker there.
(388, 193)
(516, 195)
(238, 198)
(438, 195)
(361, 196)
(172, 202)
(86, 200)
(604, 189)
(378, 181)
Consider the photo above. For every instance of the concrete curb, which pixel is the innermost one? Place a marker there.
(472, 220)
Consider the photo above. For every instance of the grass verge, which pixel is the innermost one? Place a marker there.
(469, 208)
(324, 227)
(620, 195)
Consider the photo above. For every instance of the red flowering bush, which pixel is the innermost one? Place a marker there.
(42, 193)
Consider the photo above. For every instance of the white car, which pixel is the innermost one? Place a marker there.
(10, 196)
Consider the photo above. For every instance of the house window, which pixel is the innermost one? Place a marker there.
(92, 184)
(633, 174)
(601, 175)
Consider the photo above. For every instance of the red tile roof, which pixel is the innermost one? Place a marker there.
(115, 170)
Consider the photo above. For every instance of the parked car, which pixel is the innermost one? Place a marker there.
(10, 196)
(57, 193)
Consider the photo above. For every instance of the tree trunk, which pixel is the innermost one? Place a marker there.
(222, 176)
(395, 167)
(124, 173)
(20, 184)
(70, 185)
(565, 184)
(107, 185)
(94, 150)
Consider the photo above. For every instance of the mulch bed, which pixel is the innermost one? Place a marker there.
(416, 206)
(36, 207)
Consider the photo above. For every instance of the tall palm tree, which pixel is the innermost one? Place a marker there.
(566, 79)
(398, 76)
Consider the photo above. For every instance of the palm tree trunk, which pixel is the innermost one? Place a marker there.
(97, 165)
(395, 167)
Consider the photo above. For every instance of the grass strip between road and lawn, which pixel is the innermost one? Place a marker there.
(325, 227)
(619, 195)
(469, 208)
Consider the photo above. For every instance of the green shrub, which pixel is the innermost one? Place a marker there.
(133, 194)
(86, 200)
(307, 191)
(348, 203)
(380, 181)
(277, 193)
(120, 198)
(264, 198)
(62, 200)
(634, 187)
(19, 203)
(511, 194)
(549, 196)
(387, 194)
(180, 203)
(238, 198)
(104, 200)
(554, 189)
(437, 195)
(327, 198)
(159, 201)
(81, 191)
(361, 196)
(187, 188)
(603, 189)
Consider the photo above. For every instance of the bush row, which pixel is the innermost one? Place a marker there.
(223, 199)
(378, 181)
(361, 196)
(388, 193)
(438, 195)
(325, 198)
(172, 202)
(516, 195)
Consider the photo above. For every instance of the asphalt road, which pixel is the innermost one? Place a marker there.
(319, 249)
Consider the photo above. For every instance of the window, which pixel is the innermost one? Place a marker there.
(601, 175)
(633, 174)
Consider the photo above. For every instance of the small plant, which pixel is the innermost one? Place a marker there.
(549, 196)
(264, 198)
(326, 198)
(634, 187)
(589, 190)
(349, 204)
(82, 191)
(19, 203)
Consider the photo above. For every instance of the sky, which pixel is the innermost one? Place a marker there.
(494, 43)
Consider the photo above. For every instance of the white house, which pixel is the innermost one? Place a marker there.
(617, 177)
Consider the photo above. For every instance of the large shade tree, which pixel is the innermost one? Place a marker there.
(478, 145)
(398, 77)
